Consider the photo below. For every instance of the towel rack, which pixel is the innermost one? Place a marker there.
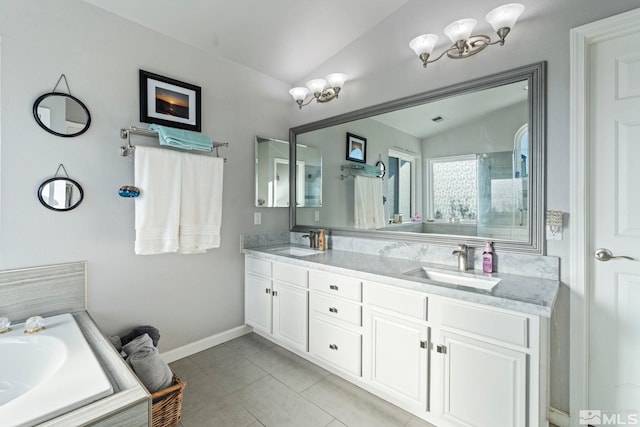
(128, 150)
(359, 170)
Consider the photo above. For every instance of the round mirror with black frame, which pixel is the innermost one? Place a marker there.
(61, 114)
(60, 194)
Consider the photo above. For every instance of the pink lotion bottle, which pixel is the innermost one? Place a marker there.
(487, 258)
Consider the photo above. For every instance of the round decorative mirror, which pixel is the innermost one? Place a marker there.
(61, 114)
(60, 194)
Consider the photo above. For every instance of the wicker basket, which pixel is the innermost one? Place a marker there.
(166, 405)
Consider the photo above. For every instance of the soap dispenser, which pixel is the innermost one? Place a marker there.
(487, 258)
(322, 239)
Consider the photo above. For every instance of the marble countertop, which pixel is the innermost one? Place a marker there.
(524, 294)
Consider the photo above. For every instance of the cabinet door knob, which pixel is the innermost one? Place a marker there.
(333, 309)
(441, 349)
(268, 290)
(333, 287)
(333, 346)
(275, 293)
(424, 344)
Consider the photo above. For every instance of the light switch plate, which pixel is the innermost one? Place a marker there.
(257, 218)
(317, 216)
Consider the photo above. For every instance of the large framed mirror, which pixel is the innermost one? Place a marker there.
(464, 164)
(272, 174)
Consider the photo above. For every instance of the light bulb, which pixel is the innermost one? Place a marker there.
(299, 93)
(505, 16)
(336, 80)
(423, 43)
(316, 85)
(460, 30)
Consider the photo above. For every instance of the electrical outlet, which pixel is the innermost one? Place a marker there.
(317, 216)
(257, 218)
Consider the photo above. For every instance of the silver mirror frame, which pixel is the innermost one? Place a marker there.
(535, 74)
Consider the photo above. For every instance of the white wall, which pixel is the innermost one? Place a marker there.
(382, 68)
(188, 297)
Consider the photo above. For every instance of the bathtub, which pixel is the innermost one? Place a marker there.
(48, 373)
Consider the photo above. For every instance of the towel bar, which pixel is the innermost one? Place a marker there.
(128, 150)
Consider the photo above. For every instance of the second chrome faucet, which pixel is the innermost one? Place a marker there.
(463, 261)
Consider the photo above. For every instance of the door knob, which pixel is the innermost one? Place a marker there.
(603, 254)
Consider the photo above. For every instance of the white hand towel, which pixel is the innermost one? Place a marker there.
(201, 203)
(368, 202)
(157, 174)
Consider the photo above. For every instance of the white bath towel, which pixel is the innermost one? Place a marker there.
(368, 202)
(158, 175)
(201, 203)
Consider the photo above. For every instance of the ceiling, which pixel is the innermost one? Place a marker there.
(285, 39)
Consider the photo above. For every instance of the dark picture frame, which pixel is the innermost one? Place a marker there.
(356, 148)
(169, 102)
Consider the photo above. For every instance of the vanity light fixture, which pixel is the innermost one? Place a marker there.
(317, 88)
(502, 19)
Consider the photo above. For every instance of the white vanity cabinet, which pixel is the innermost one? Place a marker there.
(396, 344)
(335, 327)
(489, 367)
(452, 362)
(277, 301)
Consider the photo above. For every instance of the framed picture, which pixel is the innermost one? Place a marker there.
(169, 102)
(356, 148)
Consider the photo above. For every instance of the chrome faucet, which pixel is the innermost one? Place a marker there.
(313, 239)
(462, 257)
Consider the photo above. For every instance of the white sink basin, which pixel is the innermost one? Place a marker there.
(293, 251)
(455, 278)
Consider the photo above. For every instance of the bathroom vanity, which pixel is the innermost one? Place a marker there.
(452, 355)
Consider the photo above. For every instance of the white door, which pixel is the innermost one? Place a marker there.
(290, 314)
(614, 290)
(396, 357)
(484, 385)
(257, 302)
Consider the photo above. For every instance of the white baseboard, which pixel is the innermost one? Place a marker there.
(205, 343)
(558, 417)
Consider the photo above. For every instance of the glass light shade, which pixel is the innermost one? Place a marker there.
(460, 30)
(505, 16)
(336, 79)
(299, 93)
(424, 43)
(316, 85)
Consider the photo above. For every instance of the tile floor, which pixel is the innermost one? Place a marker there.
(252, 382)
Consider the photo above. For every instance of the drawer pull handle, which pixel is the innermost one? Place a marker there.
(333, 346)
(333, 287)
(333, 309)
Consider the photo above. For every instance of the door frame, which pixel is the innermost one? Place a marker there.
(581, 40)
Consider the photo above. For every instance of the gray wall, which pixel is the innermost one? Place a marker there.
(382, 67)
(188, 297)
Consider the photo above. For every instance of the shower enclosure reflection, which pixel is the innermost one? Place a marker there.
(272, 174)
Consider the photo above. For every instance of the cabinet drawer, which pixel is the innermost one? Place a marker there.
(336, 308)
(290, 274)
(509, 328)
(407, 303)
(336, 345)
(257, 266)
(333, 284)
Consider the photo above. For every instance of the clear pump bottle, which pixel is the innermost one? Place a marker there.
(487, 258)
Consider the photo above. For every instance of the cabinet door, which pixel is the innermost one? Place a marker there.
(396, 357)
(484, 384)
(257, 302)
(290, 311)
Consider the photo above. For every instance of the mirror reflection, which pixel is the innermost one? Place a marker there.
(61, 114)
(463, 164)
(272, 174)
(60, 194)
